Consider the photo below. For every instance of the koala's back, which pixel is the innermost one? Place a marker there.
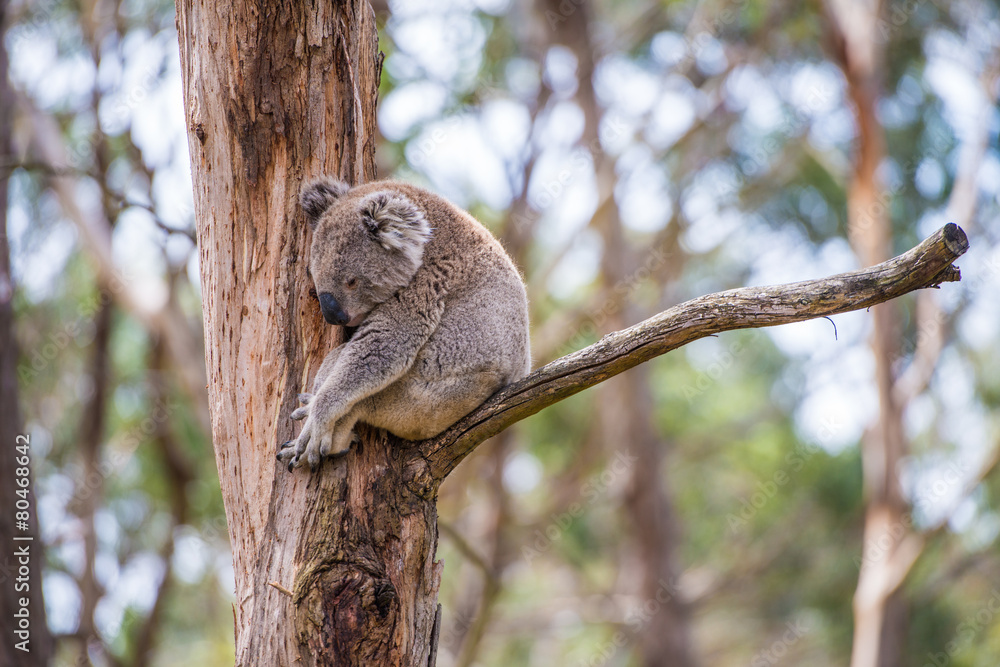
(483, 330)
(486, 312)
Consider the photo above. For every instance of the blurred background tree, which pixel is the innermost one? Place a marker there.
(713, 507)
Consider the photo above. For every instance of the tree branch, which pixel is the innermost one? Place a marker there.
(927, 265)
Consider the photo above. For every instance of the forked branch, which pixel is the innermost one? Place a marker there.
(927, 265)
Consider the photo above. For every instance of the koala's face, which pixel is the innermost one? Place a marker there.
(364, 248)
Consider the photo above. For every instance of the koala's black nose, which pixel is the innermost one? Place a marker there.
(332, 312)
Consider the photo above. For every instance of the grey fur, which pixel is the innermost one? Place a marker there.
(441, 311)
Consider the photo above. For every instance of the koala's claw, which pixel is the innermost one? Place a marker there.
(291, 458)
(286, 454)
(306, 448)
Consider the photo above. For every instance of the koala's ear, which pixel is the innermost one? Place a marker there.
(318, 195)
(396, 223)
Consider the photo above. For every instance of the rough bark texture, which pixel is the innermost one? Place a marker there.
(335, 568)
(40, 643)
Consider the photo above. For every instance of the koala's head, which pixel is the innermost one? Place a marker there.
(365, 247)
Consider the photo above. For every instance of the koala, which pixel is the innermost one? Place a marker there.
(435, 310)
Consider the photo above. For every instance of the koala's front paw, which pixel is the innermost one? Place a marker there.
(303, 449)
(319, 438)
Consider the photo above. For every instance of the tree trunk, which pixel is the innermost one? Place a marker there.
(880, 611)
(626, 415)
(334, 568)
(625, 409)
(18, 542)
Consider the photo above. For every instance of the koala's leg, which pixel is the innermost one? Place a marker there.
(327, 367)
(416, 407)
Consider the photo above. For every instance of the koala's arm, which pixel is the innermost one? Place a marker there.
(329, 362)
(380, 352)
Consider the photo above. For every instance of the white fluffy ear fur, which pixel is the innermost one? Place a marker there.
(397, 224)
(318, 195)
